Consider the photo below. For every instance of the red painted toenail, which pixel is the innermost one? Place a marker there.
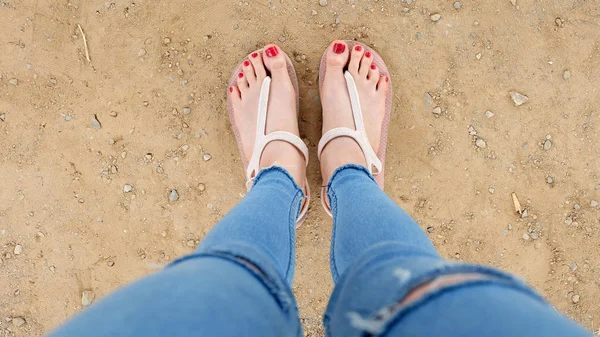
(368, 54)
(246, 63)
(272, 51)
(358, 48)
(339, 48)
(230, 89)
(254, 55)
(387, 79)
(240, 75)
(373, 67)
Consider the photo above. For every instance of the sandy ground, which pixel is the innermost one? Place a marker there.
(67, 226)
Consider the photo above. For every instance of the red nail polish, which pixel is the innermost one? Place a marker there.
(230, 89)
(373, 66)
(240, 75)
(254, 55)
(339, 48)
(271, 51)
(246, 63)
(387, 79)
(358, 48)
(368, 54)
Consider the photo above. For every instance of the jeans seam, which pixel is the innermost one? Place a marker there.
(333, 204)
(291, 226)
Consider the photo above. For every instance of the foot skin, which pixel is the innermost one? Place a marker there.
(281, 111)
(337, 111)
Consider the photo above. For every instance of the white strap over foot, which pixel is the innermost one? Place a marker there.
(262, 139)
(359, 135)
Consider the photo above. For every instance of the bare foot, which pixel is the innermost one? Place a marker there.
(337, 112)
(281, 111)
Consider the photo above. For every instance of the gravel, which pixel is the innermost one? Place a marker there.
(207, 157)
(435, 17)
(437, 111)
(127, 188)
(96, 123)
(87, 297)
(594, 203)
(457, 5)
(518, 99)
(566, 75)
(489, 114)
(18, 250)
(480, 143)
(547, 144)
(549, 180)
(18, 321)
(2, 117)
(323, 3)
(575, 298)
(174, 196)
(187, 111)
(13, 81)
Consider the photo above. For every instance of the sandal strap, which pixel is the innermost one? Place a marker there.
(263, 139)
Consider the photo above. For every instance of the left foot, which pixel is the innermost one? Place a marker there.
(281, 111)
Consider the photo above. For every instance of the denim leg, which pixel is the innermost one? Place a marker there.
(380, 258)
(235, 284)
(363, 215)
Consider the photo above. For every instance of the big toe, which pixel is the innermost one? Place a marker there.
(274, 58)
(337, 54)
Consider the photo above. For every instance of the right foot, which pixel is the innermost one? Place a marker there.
(337, 112)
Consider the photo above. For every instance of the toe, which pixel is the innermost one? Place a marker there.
(373, 75)
(258, 65)
(242, 82)
(383, 84)
(337, 54)
(234, 94)
(274, 59)
(355, 57)
(365, 64)
(248, 70)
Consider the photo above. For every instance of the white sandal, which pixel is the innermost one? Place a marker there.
(375, 160)
(252, 167)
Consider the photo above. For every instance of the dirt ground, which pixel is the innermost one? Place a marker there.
(156, 85)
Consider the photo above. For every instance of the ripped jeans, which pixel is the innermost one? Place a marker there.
(389, 279)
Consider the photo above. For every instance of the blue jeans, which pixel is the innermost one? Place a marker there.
(237, 283)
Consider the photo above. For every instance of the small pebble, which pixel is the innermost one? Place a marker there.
(187, 111)
(478, 56)
(160, 170)
(534, 235)
(206, 157)
(96, 123)
(573, 266)
(68, 118)
(18, 250)
(323, 3)
(594, 203)
(598, 187)
(148, 41)
(566, 75)
(549, 180)
(489, 114)
(87, 297)
(166, 40)
(282, 39)
(518, 99)
(236, 26)
(142, 52)
(113, 114)
(437, 111)
(174, 196)
(191, 243)
(457, 5)
(110, 263)
(547, 144)
(480, 143)
(127, 188)
(491, 190)
(13, 81)
(338, 21)
(201, 187)
(313, 12)
(575, 298)
(18, 321)
(526, 237)
(435, 17)
(2, 117)
(576, 207)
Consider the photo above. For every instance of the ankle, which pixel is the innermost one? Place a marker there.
(339, 152)
(286, 155)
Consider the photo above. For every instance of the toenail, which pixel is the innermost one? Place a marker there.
(246, 63)
(230, 89)
(387, 79)
(339, 48)
(373, 67)
(254, 55)
(368, 54)
(240, 75)
(358, 48)
(271, 51)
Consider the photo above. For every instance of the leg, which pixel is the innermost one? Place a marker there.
(389, 279)
(240, 273)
